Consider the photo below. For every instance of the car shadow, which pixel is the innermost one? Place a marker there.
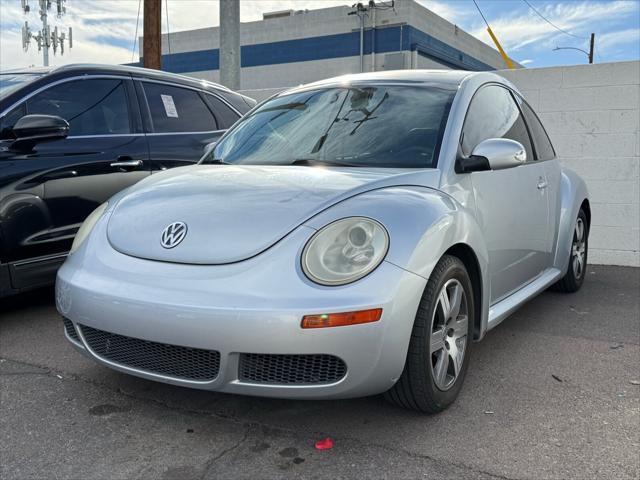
(41, 297)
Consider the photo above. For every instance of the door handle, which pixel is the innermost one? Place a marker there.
(127, 163)
(542, 184)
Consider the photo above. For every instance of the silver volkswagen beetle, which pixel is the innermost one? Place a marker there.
(345, 238)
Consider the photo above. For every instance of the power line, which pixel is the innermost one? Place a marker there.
(551, 23)
(166, 4)
(503, 54)
(481, 14)
(135, 37)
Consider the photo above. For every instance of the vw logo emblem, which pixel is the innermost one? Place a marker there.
(173, 234)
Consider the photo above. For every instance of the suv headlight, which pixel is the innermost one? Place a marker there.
(345, 251)
(87, 226)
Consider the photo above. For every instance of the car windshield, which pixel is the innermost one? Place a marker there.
(358, 126)
(10, 82)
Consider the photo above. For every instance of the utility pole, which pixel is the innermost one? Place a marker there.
(151, 44)
(45, 38)
(230, 44)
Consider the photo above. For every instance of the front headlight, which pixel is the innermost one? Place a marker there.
(345, 251)
(87, 226)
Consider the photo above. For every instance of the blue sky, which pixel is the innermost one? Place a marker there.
(530, 40)
(104, 30)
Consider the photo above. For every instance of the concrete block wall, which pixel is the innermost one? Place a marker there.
(592, 114)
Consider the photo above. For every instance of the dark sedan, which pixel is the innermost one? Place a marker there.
(71, 137)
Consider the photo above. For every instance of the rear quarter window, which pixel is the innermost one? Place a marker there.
(225, 115)
(541, 142)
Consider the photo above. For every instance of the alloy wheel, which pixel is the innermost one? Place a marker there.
(449, 328)
(578, 249)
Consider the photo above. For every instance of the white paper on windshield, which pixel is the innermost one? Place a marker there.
(169, 106)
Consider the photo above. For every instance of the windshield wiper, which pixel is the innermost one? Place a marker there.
(311, 162)
(217, 161)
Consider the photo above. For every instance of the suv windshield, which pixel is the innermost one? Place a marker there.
(12, 81)
(365, 125)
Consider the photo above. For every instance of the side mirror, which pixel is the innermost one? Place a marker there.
(493, 154)
(33, 129)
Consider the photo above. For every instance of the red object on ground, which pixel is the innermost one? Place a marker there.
(325, 444)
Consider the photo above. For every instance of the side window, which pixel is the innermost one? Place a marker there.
(225, 115)
(544, 149)
(175, 109)
(92, 107)
(493, 113)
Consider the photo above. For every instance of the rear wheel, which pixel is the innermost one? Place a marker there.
(574, 278)
(438, 354)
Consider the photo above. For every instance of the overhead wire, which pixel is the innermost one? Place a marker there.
(503, 54)
(481, 14)
(166, 4)
(135, 36)
(551, 23)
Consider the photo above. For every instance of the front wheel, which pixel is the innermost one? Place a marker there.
(440, 342)
(574, 278)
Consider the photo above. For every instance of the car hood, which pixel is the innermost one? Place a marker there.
(232, 213)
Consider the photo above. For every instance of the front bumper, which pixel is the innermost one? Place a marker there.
(251, 307)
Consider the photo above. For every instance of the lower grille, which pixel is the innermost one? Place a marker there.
(160, 358)
(71, 330)
(291, 369)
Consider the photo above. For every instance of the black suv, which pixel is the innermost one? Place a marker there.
(71, 137)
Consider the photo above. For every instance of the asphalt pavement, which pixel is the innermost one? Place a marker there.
(553, 392)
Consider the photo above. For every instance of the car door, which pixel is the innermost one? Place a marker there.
(512, 204)
(545, 152)
(180, 123)
(62, 181)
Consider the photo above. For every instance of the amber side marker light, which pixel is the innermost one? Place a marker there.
(341, 319)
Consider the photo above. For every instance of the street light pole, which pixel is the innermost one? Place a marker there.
(588, 54)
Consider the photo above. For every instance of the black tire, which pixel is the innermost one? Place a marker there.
(416, 389)
(571, 282)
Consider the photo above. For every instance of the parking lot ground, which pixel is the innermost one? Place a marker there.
(551, 393)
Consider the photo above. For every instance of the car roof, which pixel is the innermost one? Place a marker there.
(442, 78)
(126, 69)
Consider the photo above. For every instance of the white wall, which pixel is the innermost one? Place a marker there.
(592, 113)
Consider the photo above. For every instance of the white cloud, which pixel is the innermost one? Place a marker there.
(622, 37)
(103, 31)
(518, 31)
(525, 62)
(454, 11)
